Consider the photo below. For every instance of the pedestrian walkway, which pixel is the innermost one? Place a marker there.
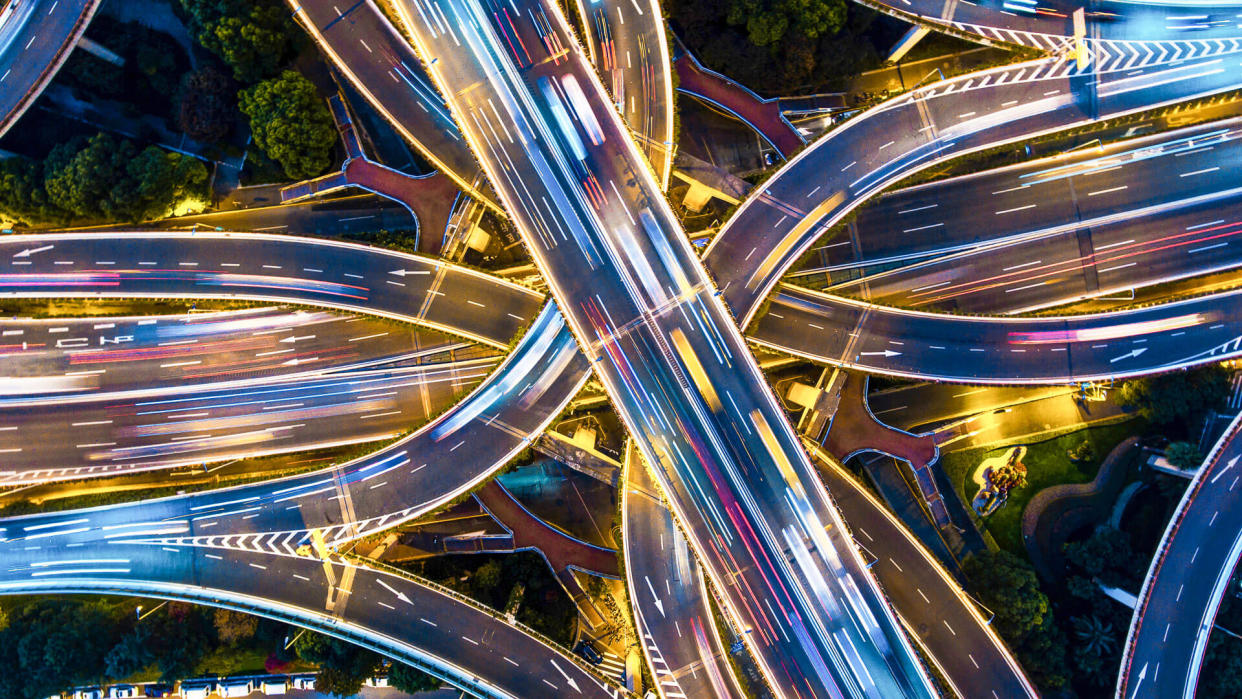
(762, 115)
(430, 199)
(855, 429)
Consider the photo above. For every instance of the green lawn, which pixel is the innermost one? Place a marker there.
(1046, 465)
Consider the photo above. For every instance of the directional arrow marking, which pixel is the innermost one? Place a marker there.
(568, 679)
(658, 603)
(400, 595)
(30, 251)
(408, 272)
(886, 353)
(1141, 675)
(1228, 466)
(1128, 355)
(291, 338)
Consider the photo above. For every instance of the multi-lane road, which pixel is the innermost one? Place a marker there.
(36, 38)
(782, 219)
(1188, 577)
(665, 349)
(1092, 222)
(634, 305)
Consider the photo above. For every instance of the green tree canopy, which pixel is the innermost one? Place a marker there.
(1179, 396)
(767, 21)
(290, 123)
(1183, 455)
(252, 36)
(111, 179)
(1008, 587)
(411, 680)
(343, 667)
(232, 626)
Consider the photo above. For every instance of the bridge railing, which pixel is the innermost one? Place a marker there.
(1175, 523)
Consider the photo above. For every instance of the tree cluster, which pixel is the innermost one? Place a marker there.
(1007, 586)
(100, 178)
(778, 46)
(51, 645)
(1178, 399)
(290, 123)
(344, 667)
(254, 37)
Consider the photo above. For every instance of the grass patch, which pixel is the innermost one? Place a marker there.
(1046, 465)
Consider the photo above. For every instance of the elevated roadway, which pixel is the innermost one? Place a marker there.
(1186, 581)
(36, 38)
(283, 269)
(780, 221)
(364, 46)
(586, 216)
(1085, 223)
(669, 595)
(112, 435)
(61, 360)
(629, 48)
(1049, 24)
(997, 349)
(477, 650)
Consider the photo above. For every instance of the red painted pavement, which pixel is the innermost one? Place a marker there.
(430, 198)
(529, 531)
(762, 115)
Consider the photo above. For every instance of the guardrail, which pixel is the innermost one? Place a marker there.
(1175, 523)
(317, 621)
(49, 71)
(364, 562)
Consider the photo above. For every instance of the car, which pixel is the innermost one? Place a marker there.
(587, 650)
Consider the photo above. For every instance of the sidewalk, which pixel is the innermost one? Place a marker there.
(762, 115)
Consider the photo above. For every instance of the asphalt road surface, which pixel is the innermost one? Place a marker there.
(601, 194)
(61, 360)
(1035, 350)
(35, 39)
(782, 219)
(1187, 579)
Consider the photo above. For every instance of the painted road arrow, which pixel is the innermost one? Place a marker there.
(400, 595)
(568, 679)
(886, 353)
(30, 251)
(1128, 355)
(659, 604)
(407, 272)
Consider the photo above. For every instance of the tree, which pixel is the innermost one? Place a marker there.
(251, 36)
(1176, 397)
(205, 105)
(111, 179)
(183, 636)
(1183, 455)
(135, 651)
(1105, 556)
(232, 627)
(22, 195)
(411, 680)
(1008, 587)
(343, 667)
(290, 123)
(488, 575)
